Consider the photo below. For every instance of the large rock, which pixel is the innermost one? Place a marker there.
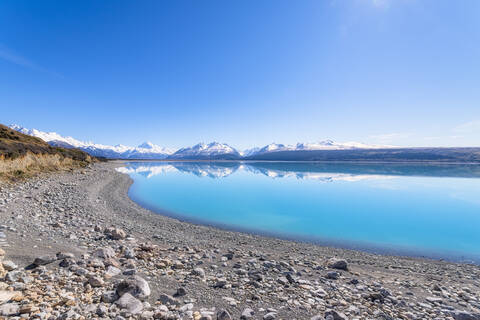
(340, 264)
(129, 303)
(136, 286)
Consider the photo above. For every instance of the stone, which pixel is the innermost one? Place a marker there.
(131, 304)
(9, 309)
(223, 315)
(247, 313)
(335, 315)
(6, 296)
(44, 260)
(434, 299)
(464, 315)
(70, 314)
(340, 264)
(66, 263)
(112, 272)
(65, 255)
(167, 299)
(221, 282)
(104, 253)
(109, 296)
(115, 233)
(270, 316)
(9, 265)
(136, 286)
(180, 292)
(14, 276)
(3, 272)
(199, 272)
(333, 275)
(101, 310)
(96, 281)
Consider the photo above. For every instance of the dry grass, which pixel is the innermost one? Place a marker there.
(23, 156)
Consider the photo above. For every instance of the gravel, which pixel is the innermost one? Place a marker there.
(74, 246)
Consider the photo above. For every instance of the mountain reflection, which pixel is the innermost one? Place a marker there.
(304, 170)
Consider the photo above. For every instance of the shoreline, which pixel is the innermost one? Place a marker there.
(248, 268)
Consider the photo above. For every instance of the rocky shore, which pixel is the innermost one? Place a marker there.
(74, 246)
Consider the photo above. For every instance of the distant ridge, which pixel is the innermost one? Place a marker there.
(200, 151)
(326, 150)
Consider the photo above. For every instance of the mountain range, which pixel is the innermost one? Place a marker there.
(201, 151)
(321, 151)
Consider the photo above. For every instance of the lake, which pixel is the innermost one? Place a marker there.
(408, 209)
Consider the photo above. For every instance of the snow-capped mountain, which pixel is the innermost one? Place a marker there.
(322, 145)
(146, 150)
(212, 150)
(201, 151)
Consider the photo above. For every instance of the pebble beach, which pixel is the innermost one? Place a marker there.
(74, 246)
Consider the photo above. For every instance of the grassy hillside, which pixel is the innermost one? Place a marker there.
(22, 155)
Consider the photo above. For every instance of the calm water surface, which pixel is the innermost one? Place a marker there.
(429, 210)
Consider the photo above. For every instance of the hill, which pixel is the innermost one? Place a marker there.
(22, 155)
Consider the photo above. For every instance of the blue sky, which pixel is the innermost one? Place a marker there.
(404, 72)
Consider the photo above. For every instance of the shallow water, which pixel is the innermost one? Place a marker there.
(428, 210)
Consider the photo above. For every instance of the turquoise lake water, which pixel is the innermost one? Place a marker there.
(425, 210)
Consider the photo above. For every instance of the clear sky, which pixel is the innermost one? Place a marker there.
(249, 72)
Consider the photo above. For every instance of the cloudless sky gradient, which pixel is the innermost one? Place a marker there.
(401, 72)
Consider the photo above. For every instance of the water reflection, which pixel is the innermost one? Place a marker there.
(303, 170)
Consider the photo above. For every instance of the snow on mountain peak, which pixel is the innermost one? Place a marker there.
(212, 150)
(147, 151)
(147, 145)
(203, 150)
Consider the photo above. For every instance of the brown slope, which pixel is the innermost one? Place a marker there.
(21, 154)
